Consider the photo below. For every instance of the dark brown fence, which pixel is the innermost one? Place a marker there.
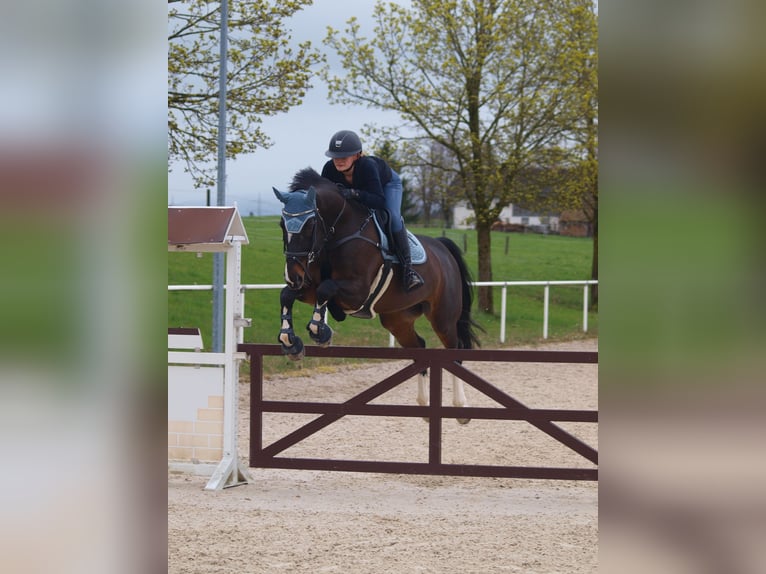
(437, 361)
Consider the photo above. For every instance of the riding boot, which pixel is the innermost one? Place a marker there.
(410, 276)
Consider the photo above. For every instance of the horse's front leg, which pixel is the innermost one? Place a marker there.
(319, 331)
(292, 346)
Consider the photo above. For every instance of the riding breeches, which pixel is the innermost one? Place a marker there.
(393, 194)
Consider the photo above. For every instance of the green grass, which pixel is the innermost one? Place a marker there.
(529, 257)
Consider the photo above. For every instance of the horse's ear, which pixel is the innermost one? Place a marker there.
(311, 195)
(283, 197)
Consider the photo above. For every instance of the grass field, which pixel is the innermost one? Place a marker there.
(515, 257)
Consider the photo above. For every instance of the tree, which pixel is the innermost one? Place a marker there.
(265, 76)
(574, 174)
(489, 80)
(435, 174)
(584, 30)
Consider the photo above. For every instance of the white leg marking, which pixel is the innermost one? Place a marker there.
(285, 323)
(423, 390)
(458, 392)
(458, 396)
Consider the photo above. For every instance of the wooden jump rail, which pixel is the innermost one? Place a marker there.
(437, 361)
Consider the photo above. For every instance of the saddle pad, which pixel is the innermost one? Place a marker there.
(417, 251)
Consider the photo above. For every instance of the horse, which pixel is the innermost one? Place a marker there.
(334, 260)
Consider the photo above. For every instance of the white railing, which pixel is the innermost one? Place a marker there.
(504, 285)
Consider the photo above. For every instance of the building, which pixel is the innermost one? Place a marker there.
(512, 218)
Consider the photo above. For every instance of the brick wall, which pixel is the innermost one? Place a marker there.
(200, 439)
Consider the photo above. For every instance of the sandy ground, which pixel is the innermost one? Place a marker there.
(314, 521)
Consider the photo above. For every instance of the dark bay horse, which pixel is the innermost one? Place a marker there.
(334, 260)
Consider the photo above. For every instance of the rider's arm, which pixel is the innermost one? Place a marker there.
(367, 182)
(329, 172)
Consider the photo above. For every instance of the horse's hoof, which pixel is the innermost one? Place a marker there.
(325, 344)
(320, 333)
(297, 356)
(295, 351)
(463, 421)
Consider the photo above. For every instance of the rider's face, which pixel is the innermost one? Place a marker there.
(345, 163)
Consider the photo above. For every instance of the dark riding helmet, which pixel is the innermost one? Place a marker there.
(344, 143)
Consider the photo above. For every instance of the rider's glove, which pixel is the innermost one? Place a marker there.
(350, 193)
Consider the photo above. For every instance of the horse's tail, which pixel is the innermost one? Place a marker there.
(466, 326)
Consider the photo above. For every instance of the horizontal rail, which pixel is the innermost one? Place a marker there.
(249, 286)
(195, 358)
(504, 285)
(476, 470)
(440, 355)
(511, 414)
(531, 283)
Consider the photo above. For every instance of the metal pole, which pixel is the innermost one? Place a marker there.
(218, 258)
(545, 311)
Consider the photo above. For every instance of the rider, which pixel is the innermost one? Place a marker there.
(371, 181)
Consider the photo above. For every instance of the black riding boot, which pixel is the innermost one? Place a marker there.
(411, 277)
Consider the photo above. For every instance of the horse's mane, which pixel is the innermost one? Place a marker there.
(307, 177)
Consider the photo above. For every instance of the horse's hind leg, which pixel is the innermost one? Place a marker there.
(402, 327)
(446, 329)
(458, 396)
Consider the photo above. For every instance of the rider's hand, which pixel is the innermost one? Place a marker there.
(350, 193)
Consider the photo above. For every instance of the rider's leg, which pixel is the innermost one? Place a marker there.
(393, 194)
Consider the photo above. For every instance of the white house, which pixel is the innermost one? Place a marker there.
(463, 218)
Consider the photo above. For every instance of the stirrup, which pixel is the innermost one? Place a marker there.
(412, 280)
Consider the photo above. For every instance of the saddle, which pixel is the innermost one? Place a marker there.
(382, 219)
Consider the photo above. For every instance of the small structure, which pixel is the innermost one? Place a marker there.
(574, 223)
(512, 218)
(202, 387)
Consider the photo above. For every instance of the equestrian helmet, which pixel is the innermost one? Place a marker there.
(344, 143)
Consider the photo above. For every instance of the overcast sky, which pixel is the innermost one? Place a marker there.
(301, 135)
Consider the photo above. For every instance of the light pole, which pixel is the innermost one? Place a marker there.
(218, 261)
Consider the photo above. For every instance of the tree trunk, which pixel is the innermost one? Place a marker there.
(485, 266)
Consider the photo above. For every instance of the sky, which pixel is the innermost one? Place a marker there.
(300, 135)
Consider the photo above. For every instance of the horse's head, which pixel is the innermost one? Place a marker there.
(299, 235)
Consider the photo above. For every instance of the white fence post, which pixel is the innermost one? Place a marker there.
(545, 310)
(503, 300)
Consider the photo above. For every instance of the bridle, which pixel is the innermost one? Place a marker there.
(317, 244)
(327, 242)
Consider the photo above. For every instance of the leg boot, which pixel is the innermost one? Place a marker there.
(411, 277)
